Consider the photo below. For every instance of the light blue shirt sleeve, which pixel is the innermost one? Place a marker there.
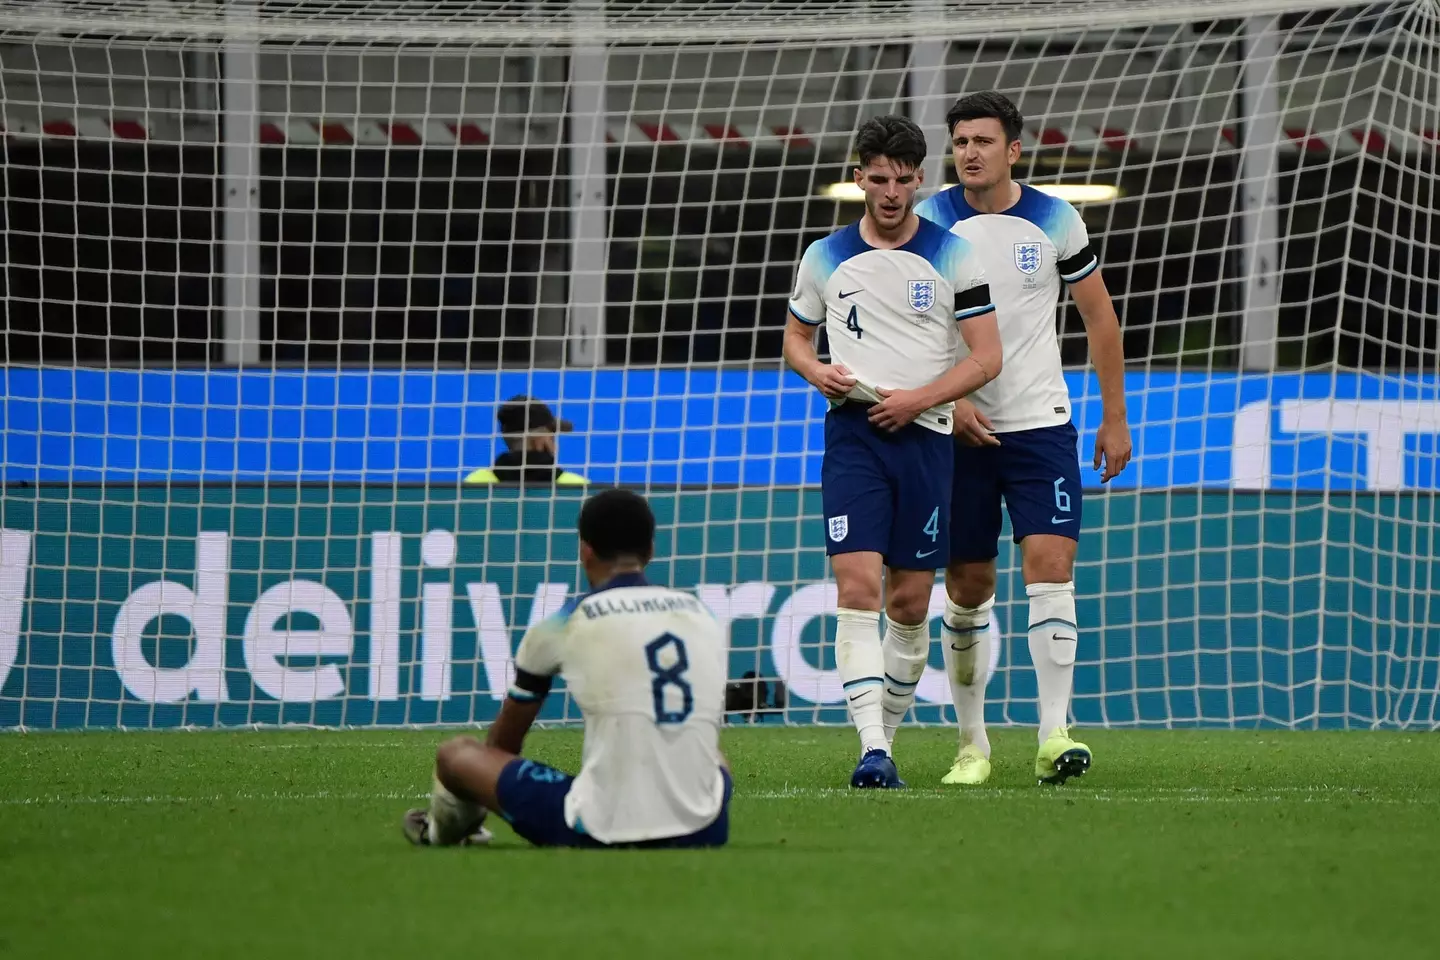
(807, 303)
(1076, 258)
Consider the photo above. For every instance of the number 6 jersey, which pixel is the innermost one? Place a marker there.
(1034, 249)
(646, 665)
(891, 315)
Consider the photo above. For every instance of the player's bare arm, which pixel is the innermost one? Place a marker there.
(516, 718)
(1102, 330)
(972, 427)
(470, 770)
(834, 380)
(982, 335)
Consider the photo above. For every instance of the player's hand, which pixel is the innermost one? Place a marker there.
(834, 380)
(898, 408)
(1112, 448)
(972, 427)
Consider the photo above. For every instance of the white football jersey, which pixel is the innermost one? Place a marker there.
(1028, 251)
(647, 666)
(890, 315)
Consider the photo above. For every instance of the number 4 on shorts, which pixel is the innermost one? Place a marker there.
(932, 527)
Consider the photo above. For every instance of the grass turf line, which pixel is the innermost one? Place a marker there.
(286, 844)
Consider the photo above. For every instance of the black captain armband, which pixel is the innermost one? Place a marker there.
(973, 302)
(530, 687)
(1077, 268)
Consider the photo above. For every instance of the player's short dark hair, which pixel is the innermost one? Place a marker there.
(895, 138)
(618, 523)
(987, 105)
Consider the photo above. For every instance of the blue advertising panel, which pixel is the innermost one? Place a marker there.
(692, 427)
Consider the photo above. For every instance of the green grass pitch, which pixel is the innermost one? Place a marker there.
(1200, 844)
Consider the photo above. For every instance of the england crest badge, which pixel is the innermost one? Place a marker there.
(922, 295)
(1027, 257)
(839, 527)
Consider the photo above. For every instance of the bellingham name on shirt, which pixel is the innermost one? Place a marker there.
(610, 603)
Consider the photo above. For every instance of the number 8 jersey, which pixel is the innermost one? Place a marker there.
(891, 315)
(647, 666)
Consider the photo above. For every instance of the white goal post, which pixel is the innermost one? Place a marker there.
(271, 266)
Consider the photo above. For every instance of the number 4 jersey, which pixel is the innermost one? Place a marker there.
(646, 666)
(891, 315)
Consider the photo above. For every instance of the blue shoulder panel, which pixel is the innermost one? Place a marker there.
(941, 249)
(932, 242)
(927, 240)
(839, 247)
(1043, 210)
(928, 209)
(560, 617)
(947, 208)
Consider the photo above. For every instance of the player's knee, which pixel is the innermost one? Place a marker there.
(908, 606)
(907, 595)
(1049, 568)
(450, 753)
(858, 594)
(858, 579)
(969, 584)
(1047, 559)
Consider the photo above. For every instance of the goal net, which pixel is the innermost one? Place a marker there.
(271, 269)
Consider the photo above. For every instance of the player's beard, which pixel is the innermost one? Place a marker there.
(979, 182)
(873, 208)
(991, 176)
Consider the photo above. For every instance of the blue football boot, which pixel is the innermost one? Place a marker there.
(876, 771)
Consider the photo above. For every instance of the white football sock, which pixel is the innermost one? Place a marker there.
(1053, 638)
(906, 647)
(861, 662)
(968, 637)
(452, 819)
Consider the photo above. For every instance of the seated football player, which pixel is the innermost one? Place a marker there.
(646, 665)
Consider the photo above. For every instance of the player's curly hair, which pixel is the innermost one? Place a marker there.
(895, 138)
(988, 104)
(618, 523)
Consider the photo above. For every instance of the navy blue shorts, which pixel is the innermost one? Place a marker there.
(1037, 472)
(886, 492)
(532, 801)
